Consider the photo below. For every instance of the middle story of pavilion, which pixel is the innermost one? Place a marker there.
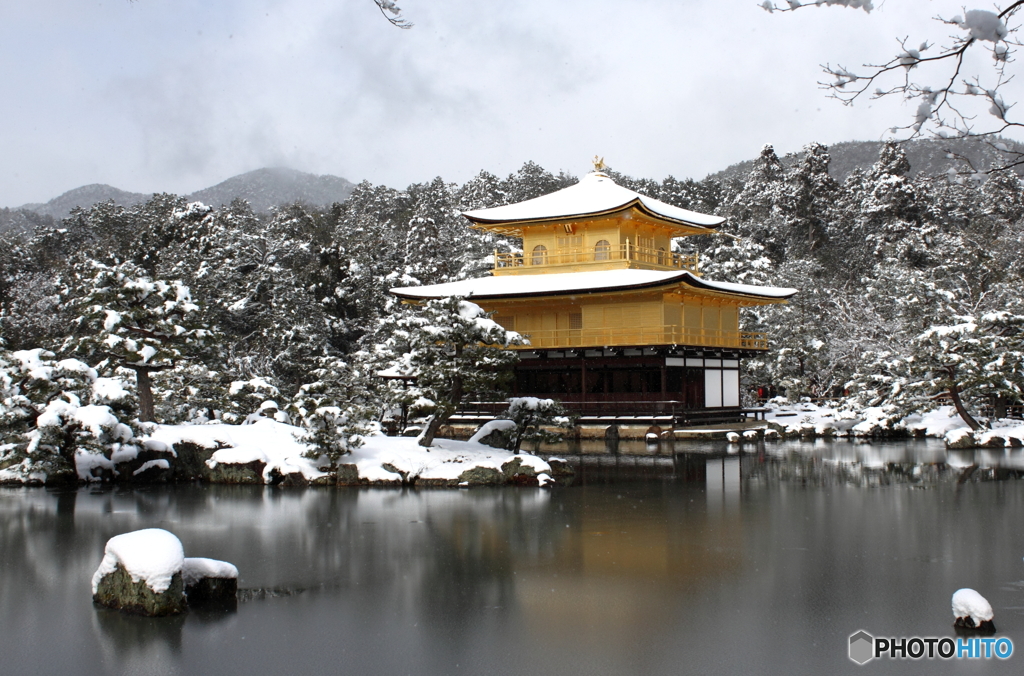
(611, 314)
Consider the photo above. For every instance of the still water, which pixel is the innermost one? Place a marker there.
(664, 561)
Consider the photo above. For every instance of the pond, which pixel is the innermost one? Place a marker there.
(664, 560)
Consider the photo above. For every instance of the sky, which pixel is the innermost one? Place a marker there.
(178, 95)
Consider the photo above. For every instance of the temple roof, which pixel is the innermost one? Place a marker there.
(596, 194)
(578, 283)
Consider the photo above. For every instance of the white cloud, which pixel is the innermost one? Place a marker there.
(175, 96)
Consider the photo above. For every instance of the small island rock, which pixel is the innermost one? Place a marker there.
(141, 573)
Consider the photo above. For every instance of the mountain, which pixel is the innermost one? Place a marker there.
(263, 188)
(927, 156)
(86, 196)
(23, 220)
(266, 188)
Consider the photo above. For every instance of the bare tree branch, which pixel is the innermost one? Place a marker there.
(392, 13)
(933, 80)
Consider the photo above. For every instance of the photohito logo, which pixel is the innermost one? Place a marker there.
(864, 647)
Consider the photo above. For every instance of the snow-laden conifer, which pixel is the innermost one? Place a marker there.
(131, 321)
(449, 349)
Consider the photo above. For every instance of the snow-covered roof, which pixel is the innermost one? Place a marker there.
(594, 195)
(521, 286)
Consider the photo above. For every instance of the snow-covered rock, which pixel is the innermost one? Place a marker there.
(972, 611)
(208, 581)
(141, 572)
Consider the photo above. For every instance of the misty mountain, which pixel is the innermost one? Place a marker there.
(927, 156)
(262, 188)
(23, 220)
(266, 188)
(86, 196)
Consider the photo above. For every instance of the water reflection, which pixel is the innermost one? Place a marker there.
(718, 562)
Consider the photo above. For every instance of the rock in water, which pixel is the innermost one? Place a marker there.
(972, 611)
(210, 582)
(141, 573)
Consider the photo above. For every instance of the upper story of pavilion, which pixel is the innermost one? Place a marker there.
(593, 225)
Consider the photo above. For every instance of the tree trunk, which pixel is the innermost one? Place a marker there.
(145, 388)
(444, 411)
(999, 407)
(436, 420)
(954, 394)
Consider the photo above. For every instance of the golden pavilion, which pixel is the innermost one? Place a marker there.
(616, 320)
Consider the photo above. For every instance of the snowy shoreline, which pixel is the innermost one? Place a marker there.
(271, 452)
(807, 420)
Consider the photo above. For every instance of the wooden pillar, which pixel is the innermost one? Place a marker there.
(583, 379)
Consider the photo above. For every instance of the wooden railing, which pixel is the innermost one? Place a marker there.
(678, 411)
(627, 251)
(645, 335)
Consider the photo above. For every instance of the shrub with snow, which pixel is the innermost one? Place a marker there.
(59, 421)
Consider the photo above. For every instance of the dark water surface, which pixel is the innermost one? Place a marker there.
(758, 563)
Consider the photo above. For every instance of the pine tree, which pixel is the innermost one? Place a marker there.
(452, 350)
(537, 421)
(131, 321)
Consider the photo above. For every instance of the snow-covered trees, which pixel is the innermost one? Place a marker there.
(452, 349)
(336, 408)
(296, 302)
(535, 421)
(131, 321)
(58, 419)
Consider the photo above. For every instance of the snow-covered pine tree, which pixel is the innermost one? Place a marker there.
(971, 358)
(809, 201)
(536, 421)
(55, 413)
(131, 321)
(452, 349)
(756, 210)
(336, 408)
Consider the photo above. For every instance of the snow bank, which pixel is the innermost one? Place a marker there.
(447, 459)
(969, 603)
(380, 459)
(832, 420)
(195, 569)
(277, 444)
(152, 555)
(491, 426)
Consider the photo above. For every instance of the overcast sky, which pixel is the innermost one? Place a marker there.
(177, 95)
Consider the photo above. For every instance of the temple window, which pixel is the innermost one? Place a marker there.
(540, 255)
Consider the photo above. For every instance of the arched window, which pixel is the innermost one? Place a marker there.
(661, 255)
(540, 255)
(602, 250)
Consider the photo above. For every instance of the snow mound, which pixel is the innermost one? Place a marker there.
(491, 426)
(277, 444)
(969, 603)
(383, 458)
(152, 555)
(195, 569)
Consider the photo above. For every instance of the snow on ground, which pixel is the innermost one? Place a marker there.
(281, 447)
(152, 555)
(446, 459)
(278, 445)
(831, 420)
(943, 422)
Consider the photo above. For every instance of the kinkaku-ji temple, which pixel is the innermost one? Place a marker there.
(618, 324)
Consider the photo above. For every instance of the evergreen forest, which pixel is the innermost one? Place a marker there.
(171, 311)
